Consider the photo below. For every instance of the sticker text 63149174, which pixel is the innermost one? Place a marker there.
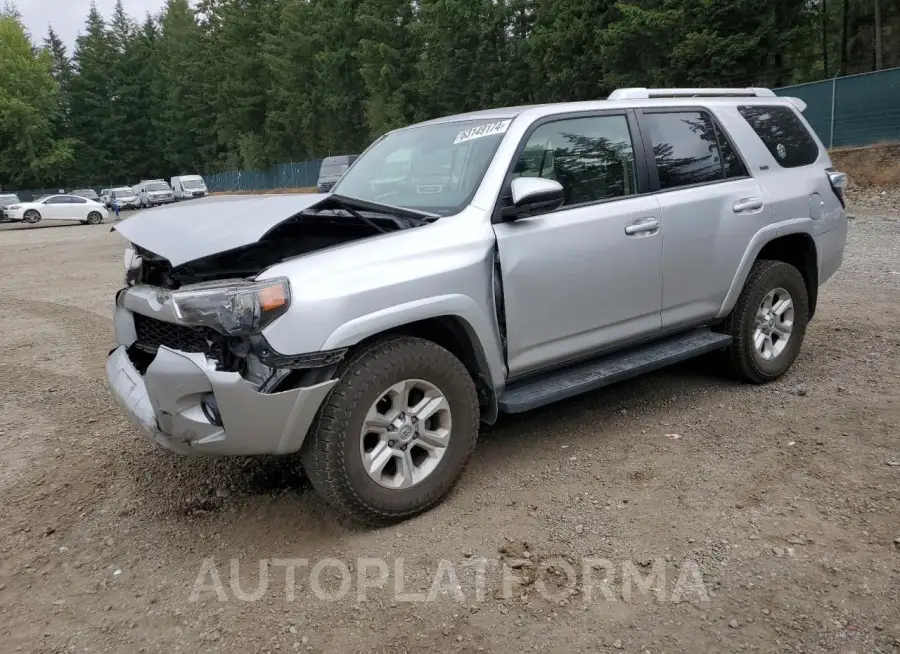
(488, 129)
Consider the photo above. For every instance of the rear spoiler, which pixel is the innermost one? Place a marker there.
(797, 102)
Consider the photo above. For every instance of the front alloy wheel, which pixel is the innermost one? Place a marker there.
(395, 432)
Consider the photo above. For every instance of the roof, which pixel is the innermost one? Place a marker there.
(540, 110)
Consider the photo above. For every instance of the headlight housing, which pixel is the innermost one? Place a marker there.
(235, 309)
(13, 207)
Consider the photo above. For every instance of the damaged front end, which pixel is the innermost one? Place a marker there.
(193, 367)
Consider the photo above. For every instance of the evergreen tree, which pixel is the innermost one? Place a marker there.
(91, 114)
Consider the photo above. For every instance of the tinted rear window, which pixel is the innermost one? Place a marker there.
(783, 134)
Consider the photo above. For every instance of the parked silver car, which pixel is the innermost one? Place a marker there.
(525, 255)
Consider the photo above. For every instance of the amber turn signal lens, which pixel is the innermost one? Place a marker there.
(271, 297)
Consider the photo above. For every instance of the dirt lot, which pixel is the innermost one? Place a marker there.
(768, 525)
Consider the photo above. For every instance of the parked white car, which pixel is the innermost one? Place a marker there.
(57, 207)
(186, 187)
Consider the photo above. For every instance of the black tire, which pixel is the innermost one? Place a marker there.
(94, 218)
(32, 217)
(745, 362)
(331, 454)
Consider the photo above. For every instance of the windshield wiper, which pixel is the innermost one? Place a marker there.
(336, 201)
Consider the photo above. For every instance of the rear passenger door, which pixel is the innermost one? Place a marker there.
(711, 208)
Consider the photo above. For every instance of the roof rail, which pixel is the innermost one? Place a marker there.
(641, 93)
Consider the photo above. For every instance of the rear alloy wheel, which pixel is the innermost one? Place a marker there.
(31, 217)
(94, 218)
(395, 433)
(768, 323)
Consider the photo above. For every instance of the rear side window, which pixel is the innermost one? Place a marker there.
(783, 134)
(685, 147)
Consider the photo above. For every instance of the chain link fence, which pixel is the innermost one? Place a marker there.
(856, 110)
(302, 175)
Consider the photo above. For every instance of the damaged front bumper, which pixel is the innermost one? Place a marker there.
(186, 405)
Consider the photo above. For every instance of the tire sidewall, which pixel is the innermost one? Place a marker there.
(789, 278)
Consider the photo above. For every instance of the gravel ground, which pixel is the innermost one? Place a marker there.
(770, 523)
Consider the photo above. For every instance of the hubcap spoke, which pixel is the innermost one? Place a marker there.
(379, 458)
(407, 470)
(434, 440)
(783, 305)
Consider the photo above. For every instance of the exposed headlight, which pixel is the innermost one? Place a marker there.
(235, 309)
(13, 207)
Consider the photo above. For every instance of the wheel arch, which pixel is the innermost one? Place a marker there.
(457, 335)
(792, 244)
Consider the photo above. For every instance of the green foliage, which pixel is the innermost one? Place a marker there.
(234, 84)
(29, 103)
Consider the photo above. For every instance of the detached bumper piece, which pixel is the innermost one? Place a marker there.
(185, 405)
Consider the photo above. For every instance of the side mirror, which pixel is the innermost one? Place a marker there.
(534, 195)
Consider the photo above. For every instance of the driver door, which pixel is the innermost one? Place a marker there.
(587, 276)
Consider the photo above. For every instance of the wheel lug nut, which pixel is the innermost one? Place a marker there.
(391, 443)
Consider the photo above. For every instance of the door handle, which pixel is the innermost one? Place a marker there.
(646, 225)
(747, 204)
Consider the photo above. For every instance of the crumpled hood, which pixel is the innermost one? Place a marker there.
(185, 232)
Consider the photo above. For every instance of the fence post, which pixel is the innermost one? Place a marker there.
(833, 94)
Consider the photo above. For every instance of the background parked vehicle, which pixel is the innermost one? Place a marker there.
(186, 187)
(57, 207)
(153, 192)
(87, 193)
(333, 168)
(125, 197)
(7, 199)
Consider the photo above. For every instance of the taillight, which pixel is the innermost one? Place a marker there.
(838, 183)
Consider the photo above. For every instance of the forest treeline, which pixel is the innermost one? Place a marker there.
(235, 84)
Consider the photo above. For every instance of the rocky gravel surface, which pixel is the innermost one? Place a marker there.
(678, 512)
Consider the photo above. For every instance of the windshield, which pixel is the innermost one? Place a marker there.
(434, 168)
(158, 186)
(333, 169)
(192, 183)
(123, 193)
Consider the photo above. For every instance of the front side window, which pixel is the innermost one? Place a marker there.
(783, 134)
(435, 167)
(592, 157)
(685, 146)
(77, 200)
(57, 199)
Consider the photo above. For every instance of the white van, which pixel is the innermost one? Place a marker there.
(186, 187)
(151, 192)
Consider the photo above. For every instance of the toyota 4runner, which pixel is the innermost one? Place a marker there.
(513, 258)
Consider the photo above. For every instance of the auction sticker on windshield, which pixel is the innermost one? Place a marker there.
(488, 129)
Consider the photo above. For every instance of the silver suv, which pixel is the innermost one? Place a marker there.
(479, 264)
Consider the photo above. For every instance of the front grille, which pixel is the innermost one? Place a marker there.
(198, 194)
(324, 187)
(151, 333)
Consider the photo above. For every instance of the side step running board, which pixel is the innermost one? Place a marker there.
(586, 376)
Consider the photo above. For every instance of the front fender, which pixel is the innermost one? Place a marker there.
(764, 236)
(466, 309)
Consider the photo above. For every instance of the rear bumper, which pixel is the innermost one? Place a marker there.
(170, 402)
